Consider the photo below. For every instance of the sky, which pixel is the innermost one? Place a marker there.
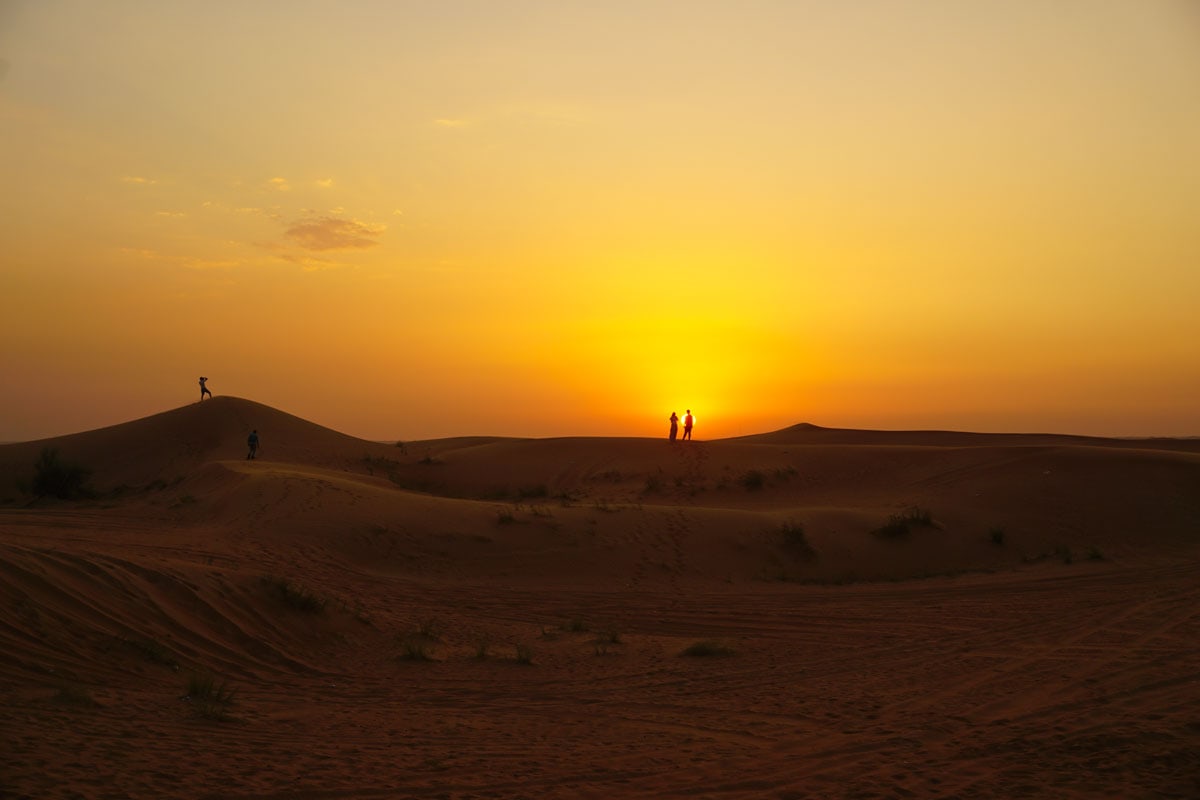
(409, 220)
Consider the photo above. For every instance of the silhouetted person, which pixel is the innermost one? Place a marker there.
(252, 443)
(674, 425)
(204, 389)
(687, 425)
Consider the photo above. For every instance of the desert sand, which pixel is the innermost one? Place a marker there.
(494, 617)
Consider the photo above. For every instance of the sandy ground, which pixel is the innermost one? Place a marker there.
(510, 618)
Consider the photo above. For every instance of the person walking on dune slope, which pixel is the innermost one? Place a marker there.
(252, 443)
(204, 389)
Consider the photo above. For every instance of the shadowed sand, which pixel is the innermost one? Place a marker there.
(501, 617)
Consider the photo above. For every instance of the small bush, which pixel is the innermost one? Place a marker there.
(576, 625)
(505, 518)
(296, 597)
(997, 536)
(653, 485)
(54, 477)
(482, 646)
(708, 647)
(415, 648)
(899, 525)
(753, 480)
(795, 537)
(209, 698)
(524, 654)
(1094, 554)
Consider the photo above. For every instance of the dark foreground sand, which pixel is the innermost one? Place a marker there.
(507, 618)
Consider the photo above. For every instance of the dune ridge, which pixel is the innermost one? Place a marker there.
(493, 617)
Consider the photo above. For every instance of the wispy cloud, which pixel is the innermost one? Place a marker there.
(280, 184)
(334, 233)
(313, 263)
(324, 183)
(175, 214)
(138, 180)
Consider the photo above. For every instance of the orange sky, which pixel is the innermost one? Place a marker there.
(408, 220)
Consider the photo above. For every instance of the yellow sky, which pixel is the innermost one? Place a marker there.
(419, 219)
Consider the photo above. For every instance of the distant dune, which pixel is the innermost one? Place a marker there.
(925, 613)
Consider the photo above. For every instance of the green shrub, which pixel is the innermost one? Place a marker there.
(415, 648)
(753, 480)
(795, 537)
(708, 647)
(898, 525)
(295, 596)
(209, 698)
(57, 478)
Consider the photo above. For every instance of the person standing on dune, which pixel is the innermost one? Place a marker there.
(204, 389)
(687, 425)
(674, 420)
(252, 443)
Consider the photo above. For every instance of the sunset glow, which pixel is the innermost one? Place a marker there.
(411, 220)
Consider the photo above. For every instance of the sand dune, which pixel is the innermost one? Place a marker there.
(1031, 632)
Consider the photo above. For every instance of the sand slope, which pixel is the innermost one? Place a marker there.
(1037, 639)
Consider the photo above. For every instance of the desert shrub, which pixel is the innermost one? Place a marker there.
(415, 648)
(526, 492)
(653, 484)
(403, 448)
(524, 654)
(505, 518)
(898, 525)
(997, 536)
(296, 596)
(210, 699)
(576, 625)
(482, 645)
(1064, 554)
(753, 480)
(57, 478)
(708, 647)
(609, 636)
(1094, 554)
(794, 536)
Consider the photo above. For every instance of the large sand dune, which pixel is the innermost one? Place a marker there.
(1031, 632)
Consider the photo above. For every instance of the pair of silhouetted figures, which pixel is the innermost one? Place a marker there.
(251, 440)
(688, 420)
